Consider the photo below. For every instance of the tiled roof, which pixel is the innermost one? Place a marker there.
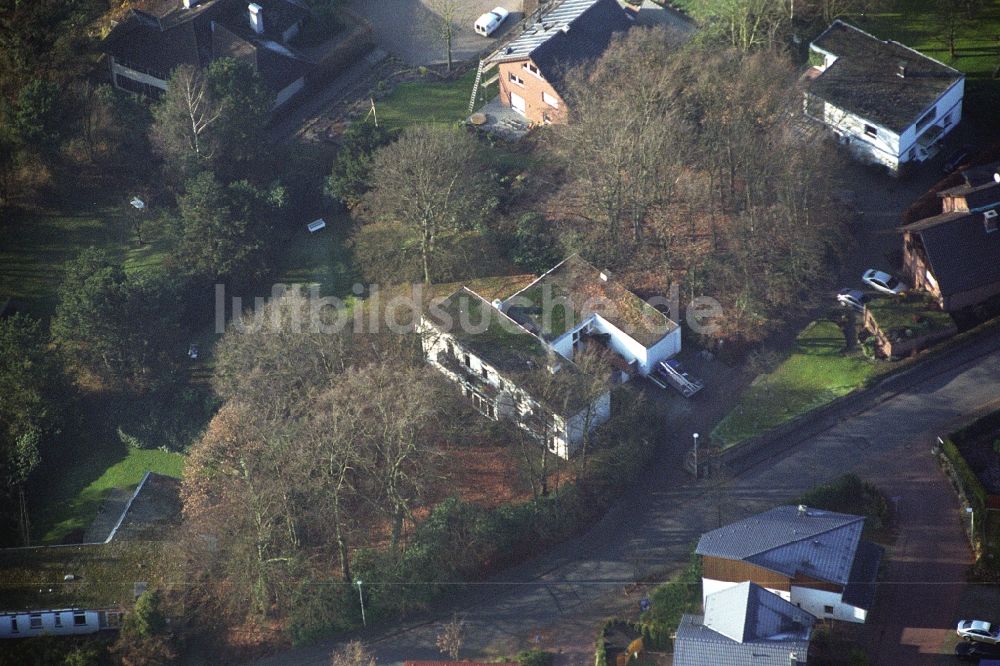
(962, 254)
(573, 32)
(814, 543)
(860, 591)
(744, 625)
(168, 35)
(574, 291)
(277, 66)
(864, 80)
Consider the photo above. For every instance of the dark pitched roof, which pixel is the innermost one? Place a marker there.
(572, 33)
(277, 66)
(864, 78)
(743, 624)
(278, 16)
(168, 35)
(860, 591)
(961, 253)
(977, 197)
(576, 289)
(818, 544)
(142, 40)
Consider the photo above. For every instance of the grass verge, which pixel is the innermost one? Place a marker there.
(418, 102)
(35, 243)
(75, 498)
(817, 372)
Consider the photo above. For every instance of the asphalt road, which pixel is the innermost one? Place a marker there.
(557, 600)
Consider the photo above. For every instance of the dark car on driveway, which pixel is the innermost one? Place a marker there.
(975, 651)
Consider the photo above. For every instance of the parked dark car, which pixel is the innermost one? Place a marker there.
(967, 651)
(956, 158)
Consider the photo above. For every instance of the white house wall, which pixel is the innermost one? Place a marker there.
(814, 601)
(512, 402)
(949, 104)
(668, 347)
(117, 69)
(881, 149)
(808, 599)
(48, 624)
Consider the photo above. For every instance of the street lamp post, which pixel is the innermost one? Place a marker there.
(972, 522)
(697, 469)
(362, 598)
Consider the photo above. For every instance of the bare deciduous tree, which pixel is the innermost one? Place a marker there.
(432, 181)
(450, 637)
(185, 115)
(352, 654)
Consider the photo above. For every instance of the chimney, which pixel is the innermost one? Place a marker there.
(901, 69)
(256, 17)
(803, 510)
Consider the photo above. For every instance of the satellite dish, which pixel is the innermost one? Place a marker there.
(138, 203)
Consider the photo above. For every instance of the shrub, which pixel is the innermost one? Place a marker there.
(849, 494)
(321, 608)
(535, 658)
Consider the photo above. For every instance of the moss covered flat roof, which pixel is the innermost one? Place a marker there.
(575, 290)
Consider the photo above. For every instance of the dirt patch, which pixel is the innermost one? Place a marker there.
(488, 477)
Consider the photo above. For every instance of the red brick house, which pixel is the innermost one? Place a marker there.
(532, 66)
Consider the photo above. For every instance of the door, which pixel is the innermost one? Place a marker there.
(517, 103)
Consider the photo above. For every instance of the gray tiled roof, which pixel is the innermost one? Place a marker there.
(819, 544)
(744, 625)
(747, 612)
(864, 79)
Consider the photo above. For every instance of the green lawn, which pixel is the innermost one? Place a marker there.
(322, 257)
(817, 372)
(35, 243)
(77, 487)
(444, 102)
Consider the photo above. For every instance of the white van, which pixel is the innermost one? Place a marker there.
(490, 21)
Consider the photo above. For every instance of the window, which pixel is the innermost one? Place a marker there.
(13, 625)
(58, 619)
(514, 78)
(79, 619)
(484, 372)
(530, 66)
(927, 118)
(550, 100)
(828, 610)
(35, 620)
(449, 348)
(946, 121)
(468, 361)
(871, 130)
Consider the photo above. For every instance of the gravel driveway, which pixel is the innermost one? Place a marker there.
(411, 29)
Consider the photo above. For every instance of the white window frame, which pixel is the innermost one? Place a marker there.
(515, 79)
(551, 100)
(873, 133)
(531, 67)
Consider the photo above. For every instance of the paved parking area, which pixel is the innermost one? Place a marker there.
(411, 29)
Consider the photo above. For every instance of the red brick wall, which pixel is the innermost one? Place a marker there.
(535, 109)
